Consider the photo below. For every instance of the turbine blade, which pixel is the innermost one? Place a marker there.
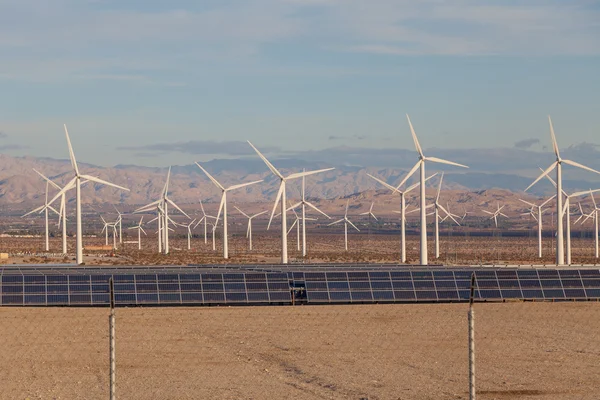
(103, 182)
(316, 209)
(217, 184)
(336, 222)
(241, 185)
(294, 206)
(347, 203)
(410, 173)
(439, 188)
(143, 231)
(553, 137)
(441, 161)
(351, 224)
(62, 191)
(448, 214)
(306, 173)
(40, 208)
(576, 164)
(526, 202)
(269, 165)
(547, 201)
(177, 207)
(47, 179)
(241, 212)
(151, 205)
(279, 193)
(415, 185)
(414, 136)
(544, 173)
(393, 189)
(71, 153)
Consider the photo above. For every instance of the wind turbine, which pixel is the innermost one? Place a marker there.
(249, 229)
(567, 209)
(77, 181)
(163, 203)
(189, 234)
(120, 222)
(538, 219)
(223, 205)
(594, 215)
(437, 207)
(281, 195)
(204, 219)
(370, 214)
(421, 164)
(44, 208)
(303, 202)
(105, 230)
(560, 255)
(63, 211)
(140, 230)
(495, 214)
(296, 223)
(402, 211)
(346, 221)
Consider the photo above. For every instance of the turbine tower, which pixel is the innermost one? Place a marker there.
(45, 208)
(303, 202)
(77, 181)
(560, 248)
(402, 211)
(162, 205)
(281, 196)
(346, 221)
(140, 230)
(594, 215)
(421, 164)
(204, 219)
(249, 229)
(539, 219)
(223, 205)
(437, 208)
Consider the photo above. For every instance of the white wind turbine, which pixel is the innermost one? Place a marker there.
(346, 221)
(223, 205)
(538, 219)
(402, 211)
(249, 229)
(120, 223)
(560, 255)
(44, 208)
(281, 196)
(594, 214)
(140, 230)
(77, 181)
(204, 219)
(437, 207)
(105, 230)
(421, 164)
(303, 202)
(297, 222)
(370, 214)
(63, 205)
(163, 215)
(495, 214)
(189, 233)
(566, 210)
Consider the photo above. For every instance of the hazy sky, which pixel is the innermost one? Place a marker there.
(292, 74)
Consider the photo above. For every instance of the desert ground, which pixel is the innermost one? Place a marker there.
(524, 351)
(455, 249)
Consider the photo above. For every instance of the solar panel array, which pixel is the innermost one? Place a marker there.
(145, 289)
(449, 285)
(61, 285)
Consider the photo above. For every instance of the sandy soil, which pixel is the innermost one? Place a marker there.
(524, 351)
(385, 248)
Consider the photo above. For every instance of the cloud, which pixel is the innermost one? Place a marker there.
(199, 147)
(148, 42)
(526, 143)
(13, 147)
(333, 137)
(3, 135)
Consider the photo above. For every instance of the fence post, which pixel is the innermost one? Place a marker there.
(472, 341)
(111, 323)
